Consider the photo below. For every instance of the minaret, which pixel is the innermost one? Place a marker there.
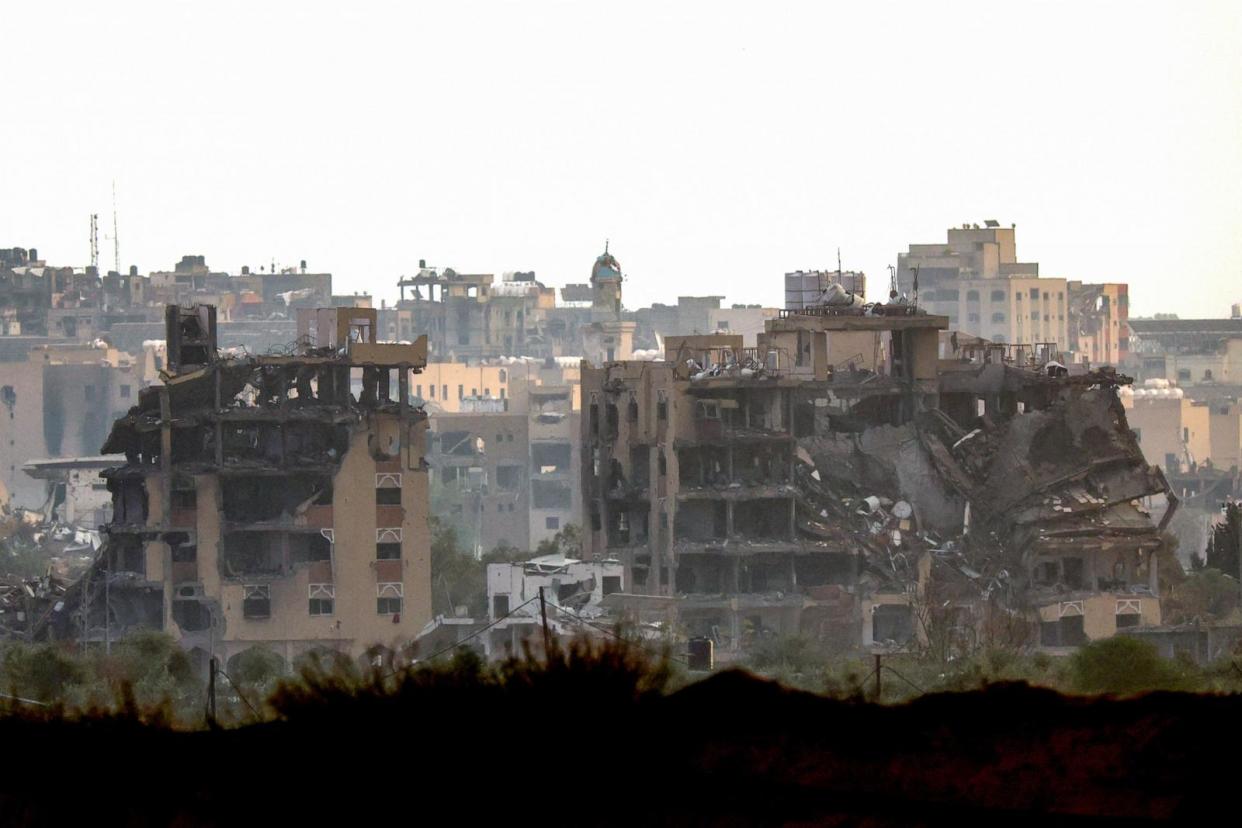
(606, 287)
(607, 338)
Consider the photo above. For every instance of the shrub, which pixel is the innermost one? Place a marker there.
(1124, 666)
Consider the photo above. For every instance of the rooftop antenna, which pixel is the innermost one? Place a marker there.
(915, 270)
(605, 247)
(116, 242)
(95, 241)
(892, 282)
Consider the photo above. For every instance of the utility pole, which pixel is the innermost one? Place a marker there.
(543, 614)
(116, 241)
(95, 241)
(212, 667)
(86, 607)
(107, 602)
(879, 687)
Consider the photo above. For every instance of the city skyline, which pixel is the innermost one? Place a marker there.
(717, 150)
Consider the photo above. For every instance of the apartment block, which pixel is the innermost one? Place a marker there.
(976, 281)
(273, 501)
(1098, 316)
(507, 471)
(1201, 356)
(842, 482)
(58, 400)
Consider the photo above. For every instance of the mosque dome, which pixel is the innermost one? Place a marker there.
(606, 267)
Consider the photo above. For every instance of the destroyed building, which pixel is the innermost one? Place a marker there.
(843, 482)
(276, 500)
(470, 317)
(574, 593)
(1099, 327)
(507, 470)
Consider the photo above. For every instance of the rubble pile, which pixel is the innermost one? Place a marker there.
(985, 500)
(60, 553)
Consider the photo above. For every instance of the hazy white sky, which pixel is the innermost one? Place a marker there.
(717, 144)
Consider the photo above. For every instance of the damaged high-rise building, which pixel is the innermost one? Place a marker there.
(276, 501)
(847, 482)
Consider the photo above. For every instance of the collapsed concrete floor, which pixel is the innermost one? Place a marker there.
(1003, 506)
(1032, 518)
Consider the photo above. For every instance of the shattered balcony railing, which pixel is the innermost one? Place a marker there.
(1020, 355)
(852, 310)
(737, 363)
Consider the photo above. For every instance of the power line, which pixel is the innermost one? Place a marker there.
(903, 678)
(457, 644)
(240, 693)
(23, 701)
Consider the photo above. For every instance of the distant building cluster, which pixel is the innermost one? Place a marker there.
(252, 460)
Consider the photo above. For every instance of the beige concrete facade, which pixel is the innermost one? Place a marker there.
(1068, 623)
(975, 279)
(263, 504)
(509, 474)
(1018, 311)
(59, 402)
(1201, 356)
(1098, 317)
(688, 473)
(1174, 432)
(1225, 425)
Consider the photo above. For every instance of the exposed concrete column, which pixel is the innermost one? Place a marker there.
(654, 500)
(403, 424)
(165, 455)
(729, 518)
(656, 545)
(1153, 574)
(219, 403)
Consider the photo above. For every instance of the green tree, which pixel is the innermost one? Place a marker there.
(1225, 543)
(567, 542)
(457, 579)
(43, 672)
(1124, 666)
(1207, 595)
